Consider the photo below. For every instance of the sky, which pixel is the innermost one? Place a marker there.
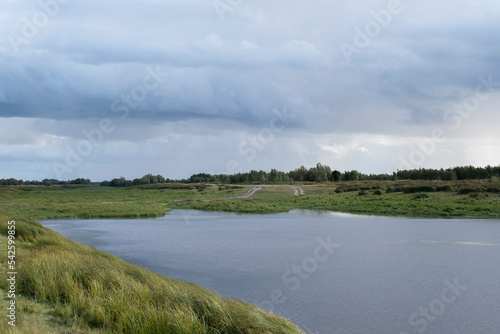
(103, 89)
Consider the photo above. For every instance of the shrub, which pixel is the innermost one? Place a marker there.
(446, 187)
(467, 191)
(420, 196)
(378, 192)
(419, 189)
(479, 195)
(493, 189)
(362, 193)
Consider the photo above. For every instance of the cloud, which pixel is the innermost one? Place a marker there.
(226, 77)
(336, 149)
(364, 150)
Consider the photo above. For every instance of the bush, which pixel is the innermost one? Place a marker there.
(445, 188)
(362, 193)
(339, 191)
(493, 189)
(419, 189)
(378, 192)
(479, 195)
(420, 196)
(467, 191)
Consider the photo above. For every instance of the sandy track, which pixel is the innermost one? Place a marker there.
(248, 194)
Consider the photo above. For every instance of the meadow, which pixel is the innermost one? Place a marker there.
(67, 287)
(446, 199)
(428, 199)
(57, 202)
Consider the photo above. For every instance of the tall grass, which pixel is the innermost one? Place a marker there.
(104, 292)
(39, 318)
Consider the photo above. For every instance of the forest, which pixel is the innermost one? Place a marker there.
(318, 173)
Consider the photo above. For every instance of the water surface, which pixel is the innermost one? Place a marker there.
(327, 272)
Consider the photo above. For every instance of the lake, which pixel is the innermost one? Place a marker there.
(327, 272)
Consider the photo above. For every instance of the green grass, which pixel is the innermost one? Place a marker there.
(87, 288)
(66, 287)
(39, 318)
(481, 199)
(75, 193)
(58, 202)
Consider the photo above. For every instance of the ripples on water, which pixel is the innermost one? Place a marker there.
(383, 273)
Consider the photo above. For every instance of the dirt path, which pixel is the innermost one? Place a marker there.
(248, 194)
(298, 191)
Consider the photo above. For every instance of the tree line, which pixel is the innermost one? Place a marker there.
(318, 173)
(44, 182)
(322, 173)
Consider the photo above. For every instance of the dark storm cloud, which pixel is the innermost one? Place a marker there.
(91, 59)
(229, 76)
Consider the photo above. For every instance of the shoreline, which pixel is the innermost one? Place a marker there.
(426, 199)
(51, 265)
(84, 289)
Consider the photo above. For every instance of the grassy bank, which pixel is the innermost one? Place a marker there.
(57, 202)
(475, 199)
(447, 199)
(68, 287)
(88, 289)
(39, 318)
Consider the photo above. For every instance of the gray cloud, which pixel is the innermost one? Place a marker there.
(226, 77)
